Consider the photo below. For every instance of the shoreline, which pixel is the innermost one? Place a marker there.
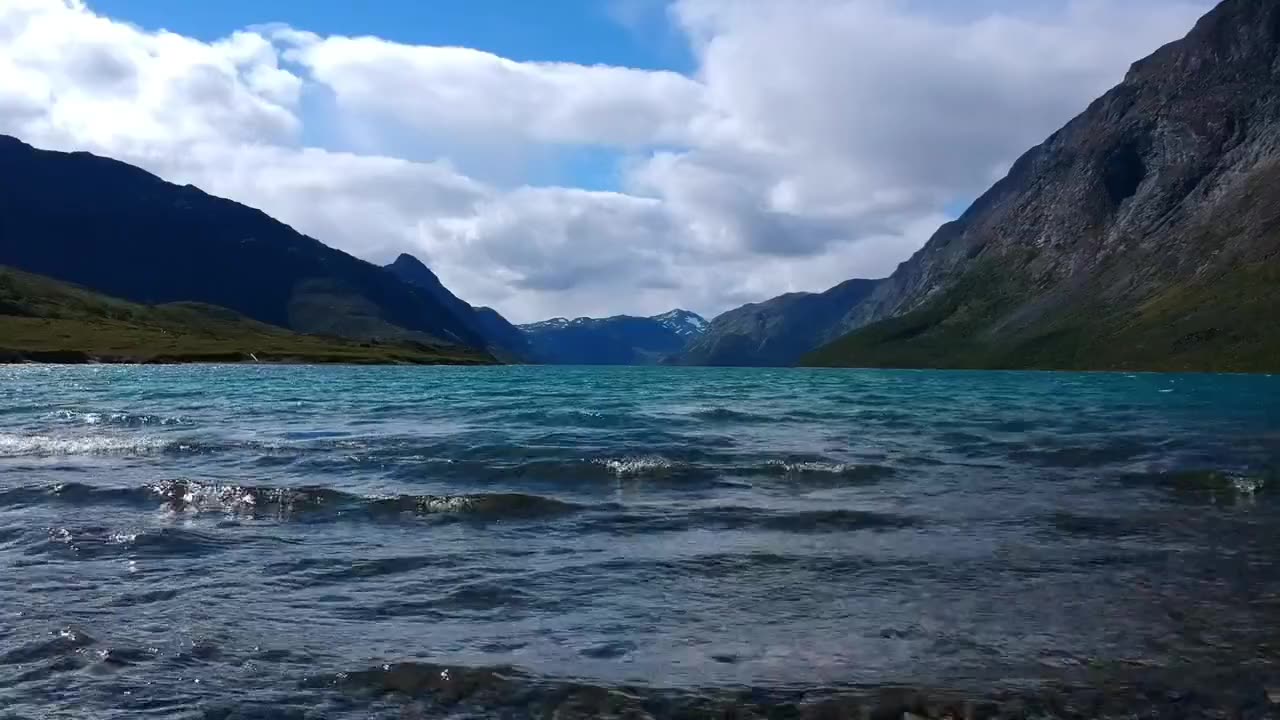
(81, 357)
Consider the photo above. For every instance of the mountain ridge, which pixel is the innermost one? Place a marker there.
(616, 340)
(119, 230)
(499, 335)
(775, 332)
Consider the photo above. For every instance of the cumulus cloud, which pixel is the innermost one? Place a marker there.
(460, 91)
(872, 113)
(817, 140)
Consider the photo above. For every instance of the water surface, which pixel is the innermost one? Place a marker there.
(476, 542)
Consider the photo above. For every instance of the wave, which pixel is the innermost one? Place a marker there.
(120, 419)
(459, 690)
(319, 504)
(640, 465)
(12, 445)
(186, 496)
(662, 466)
(66, 641)
(1211, 485)
(725, 415)
(746, 518)
(93, 542)
(809, 468)
(499, 506)
(820, 470)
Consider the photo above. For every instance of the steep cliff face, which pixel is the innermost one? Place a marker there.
(1143, 234)
(776, 332)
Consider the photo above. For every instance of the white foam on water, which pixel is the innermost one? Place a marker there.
(449, 504)
(815, 468)
(88, 418)
(199, 497)
(117, 418)
(13, 445)
(1247, 485)
(636, 465)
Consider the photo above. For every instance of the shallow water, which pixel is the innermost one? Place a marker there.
(399, 542)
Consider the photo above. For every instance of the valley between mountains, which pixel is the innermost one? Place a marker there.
(1143, 235)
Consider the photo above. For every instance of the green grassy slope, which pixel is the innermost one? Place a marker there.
(1219, 311)
(1228, 321)
(42, 319)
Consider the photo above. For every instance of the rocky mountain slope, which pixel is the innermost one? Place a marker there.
(119, 230)
(620, 340)
(1144, 234)
(500, 336)
(776, 332)
(1141, 235)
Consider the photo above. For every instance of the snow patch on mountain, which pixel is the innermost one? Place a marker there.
(683, 322)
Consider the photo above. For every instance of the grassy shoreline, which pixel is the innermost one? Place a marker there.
(46, 321)
(80, 357)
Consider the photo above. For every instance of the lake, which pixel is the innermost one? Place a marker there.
(252, 541)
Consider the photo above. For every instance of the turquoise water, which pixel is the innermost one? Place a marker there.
(470, 542)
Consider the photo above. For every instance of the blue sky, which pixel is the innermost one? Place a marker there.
(630, 34)
(625, 33)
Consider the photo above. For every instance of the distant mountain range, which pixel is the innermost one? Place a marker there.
(1143, 235)
(621, 340)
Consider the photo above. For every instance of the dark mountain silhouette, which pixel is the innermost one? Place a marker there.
(500, 336)
(121, 231)
(776, 332)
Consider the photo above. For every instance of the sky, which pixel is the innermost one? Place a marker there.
(580, 157)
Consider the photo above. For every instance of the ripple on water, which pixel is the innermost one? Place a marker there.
(566, 542)
(311, 503)
(1206, 485)
(90, 543)
(664, 519)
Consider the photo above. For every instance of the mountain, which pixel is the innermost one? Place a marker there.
(123, 232)
(1143, 235)
(620, 340)
(44, 320)
(777, 332)
(685, 324)
(498, 335)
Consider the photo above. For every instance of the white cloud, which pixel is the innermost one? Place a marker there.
(460, 91)
(818, 140)
(870, 114)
